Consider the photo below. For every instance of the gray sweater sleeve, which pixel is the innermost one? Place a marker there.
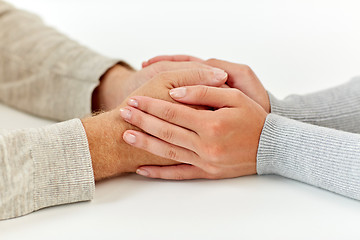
(44, 167)
(323, 157)
(337, 108)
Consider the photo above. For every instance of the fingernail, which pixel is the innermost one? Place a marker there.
(178, 92)
(129, 138)
(132, 102)
(142, 172)
(219, 74)
(125, 113)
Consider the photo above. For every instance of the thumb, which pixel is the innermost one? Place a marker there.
(231, 68)
(208, 96)
(196, 76)
(172, 58)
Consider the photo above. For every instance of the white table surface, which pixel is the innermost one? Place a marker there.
(293, 46)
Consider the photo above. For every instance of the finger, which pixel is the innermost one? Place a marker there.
(159, 148)
(195, 76)
(159, 128)
(176, 172)
(172, 58)
(171, 66)
(224, 86)
(231, 68)
(178, 114)
(208, 96)
(235, 69)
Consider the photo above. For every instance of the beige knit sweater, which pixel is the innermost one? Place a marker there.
(46, 74)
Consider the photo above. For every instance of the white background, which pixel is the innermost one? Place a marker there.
(293, 46)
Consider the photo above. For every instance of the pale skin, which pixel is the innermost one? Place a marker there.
(120, 81)
(240, 76)
(213, 144)
(111, 156)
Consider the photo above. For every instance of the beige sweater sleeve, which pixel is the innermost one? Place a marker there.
(44, 73)
(44, 167)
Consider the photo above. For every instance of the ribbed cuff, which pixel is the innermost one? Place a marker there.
(62, 165)
(319, 156)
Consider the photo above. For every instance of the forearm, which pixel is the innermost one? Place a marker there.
(44, 72)
(319, 156)
(337, 108)
(58, 164)
(44, 167)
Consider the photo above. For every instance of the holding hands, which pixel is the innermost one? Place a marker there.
(217, 143)
(110, 155)
(240, 76)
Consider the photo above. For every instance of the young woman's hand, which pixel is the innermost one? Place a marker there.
(110, 155)
(219, 143)
(120, 81)
(241, 76)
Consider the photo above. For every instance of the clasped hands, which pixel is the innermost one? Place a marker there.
(183, 123)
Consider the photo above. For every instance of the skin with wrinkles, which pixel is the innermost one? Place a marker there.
(110, 155)
(219, 143)
(222, 146)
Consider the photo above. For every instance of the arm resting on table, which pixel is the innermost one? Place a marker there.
(44, 167)
(323, 157)
(42, 71)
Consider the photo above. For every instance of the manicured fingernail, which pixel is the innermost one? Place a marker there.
(142, 172)
(178, 92)
(219, 74)
(129, 138)
(132, 102)
(125, 113)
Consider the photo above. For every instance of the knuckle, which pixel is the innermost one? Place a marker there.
(215, 128)
(163, 75)
(199, 65)
(197, 145)
(167, 134)
(211, 61)
(201, 92)
(245, 70)
(157, 67)
(178, 176)
(216, 175)
(170, 79)
(237, 94)
(214, 171)
(214, 152)
(160, 66)
(199, 74)
(171, 153)
(169, 114)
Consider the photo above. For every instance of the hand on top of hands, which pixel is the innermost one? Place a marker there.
(109, 153)
(120, 81)
(240, 76)
(220, 143)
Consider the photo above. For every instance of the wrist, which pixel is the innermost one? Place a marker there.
(110, 155)
(110, 91)
(104, 139)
